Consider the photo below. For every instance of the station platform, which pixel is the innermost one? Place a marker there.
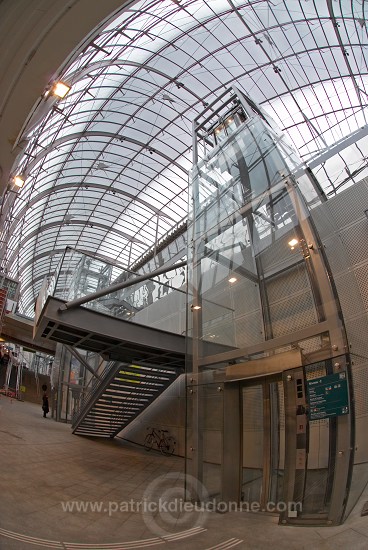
(62, 491)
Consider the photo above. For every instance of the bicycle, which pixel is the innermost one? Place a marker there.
(165, 443)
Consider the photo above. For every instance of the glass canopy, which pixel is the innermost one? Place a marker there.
(106, 168)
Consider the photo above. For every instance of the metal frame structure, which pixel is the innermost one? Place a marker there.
(118, 147)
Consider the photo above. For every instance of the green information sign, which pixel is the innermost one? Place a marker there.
(328, 396)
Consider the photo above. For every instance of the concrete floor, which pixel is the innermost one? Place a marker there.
(44, 468)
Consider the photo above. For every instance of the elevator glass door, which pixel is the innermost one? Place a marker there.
(263, 443)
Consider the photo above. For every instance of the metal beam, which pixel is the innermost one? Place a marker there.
(119, 286)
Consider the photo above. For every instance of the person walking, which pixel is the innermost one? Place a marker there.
(45, 401)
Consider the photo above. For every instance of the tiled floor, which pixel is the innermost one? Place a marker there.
(43, 467)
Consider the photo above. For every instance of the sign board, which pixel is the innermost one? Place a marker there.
(328, 396)
(23, 389)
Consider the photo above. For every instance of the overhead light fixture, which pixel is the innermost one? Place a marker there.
(293, 243)
(60, 89)
(19, 180)
(193, 307)
(233, 280)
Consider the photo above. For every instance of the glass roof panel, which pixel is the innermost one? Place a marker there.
(107, 167)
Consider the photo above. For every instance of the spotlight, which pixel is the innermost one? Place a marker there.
(19, 180)
(60, 89)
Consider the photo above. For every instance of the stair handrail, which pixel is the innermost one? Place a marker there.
(89, 392)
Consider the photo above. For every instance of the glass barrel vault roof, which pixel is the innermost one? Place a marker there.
(107, 167)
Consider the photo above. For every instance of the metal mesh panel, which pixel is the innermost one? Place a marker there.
(220, 333)
(315, 370)
(277, 253)
(248, 330)
(219, 295)
(355, 238)
(295, 313)
(360, 385)
(165, 313)
(357, 330)
(349, 296)
(349, 205)
(281, 403)
(361, 274)
(311, 344)
(253, 405)
(336, 254)
(245, 298)
(323, 221)
(291, 306)
(295, 281)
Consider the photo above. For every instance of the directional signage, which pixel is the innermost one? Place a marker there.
(328, 396)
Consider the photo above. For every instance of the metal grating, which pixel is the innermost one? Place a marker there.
(323, 221)
(245, 298)
(356, 238)
(336, 254)
(349, 296)
(249, 330)
(219, 333)
(311, 344)
(361, 274)
(294, 281)
(253, 408)
(360, 385)
(295, 313)
(357, 331)
(277, 253)
(349, 205)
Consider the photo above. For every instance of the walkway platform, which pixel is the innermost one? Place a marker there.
(113, 338)
(44, 467)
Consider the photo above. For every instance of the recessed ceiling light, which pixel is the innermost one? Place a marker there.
(233, 280)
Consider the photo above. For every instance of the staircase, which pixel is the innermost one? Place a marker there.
(120, 395)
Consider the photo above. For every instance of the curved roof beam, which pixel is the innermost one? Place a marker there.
(61, 187)
(336, 25)
(80, 73)
(92, 133)
(271, 62)
(47, 226)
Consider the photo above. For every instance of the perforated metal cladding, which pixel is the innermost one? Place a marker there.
(249, 330)
(245, 297)
(212, 407)
(349, 295)
(290, 302)
(292, 314)
(220, 333)
(356, 238)
(297, 282)
(315, 371)
(281, 404)
(336, 253)
(357, 330)
(277, 253)
(350, 204)
(253, 407)
(361, 274)
(323, 221)
(310, 345)
(168, 313)
(219, 296)
(360, 384)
